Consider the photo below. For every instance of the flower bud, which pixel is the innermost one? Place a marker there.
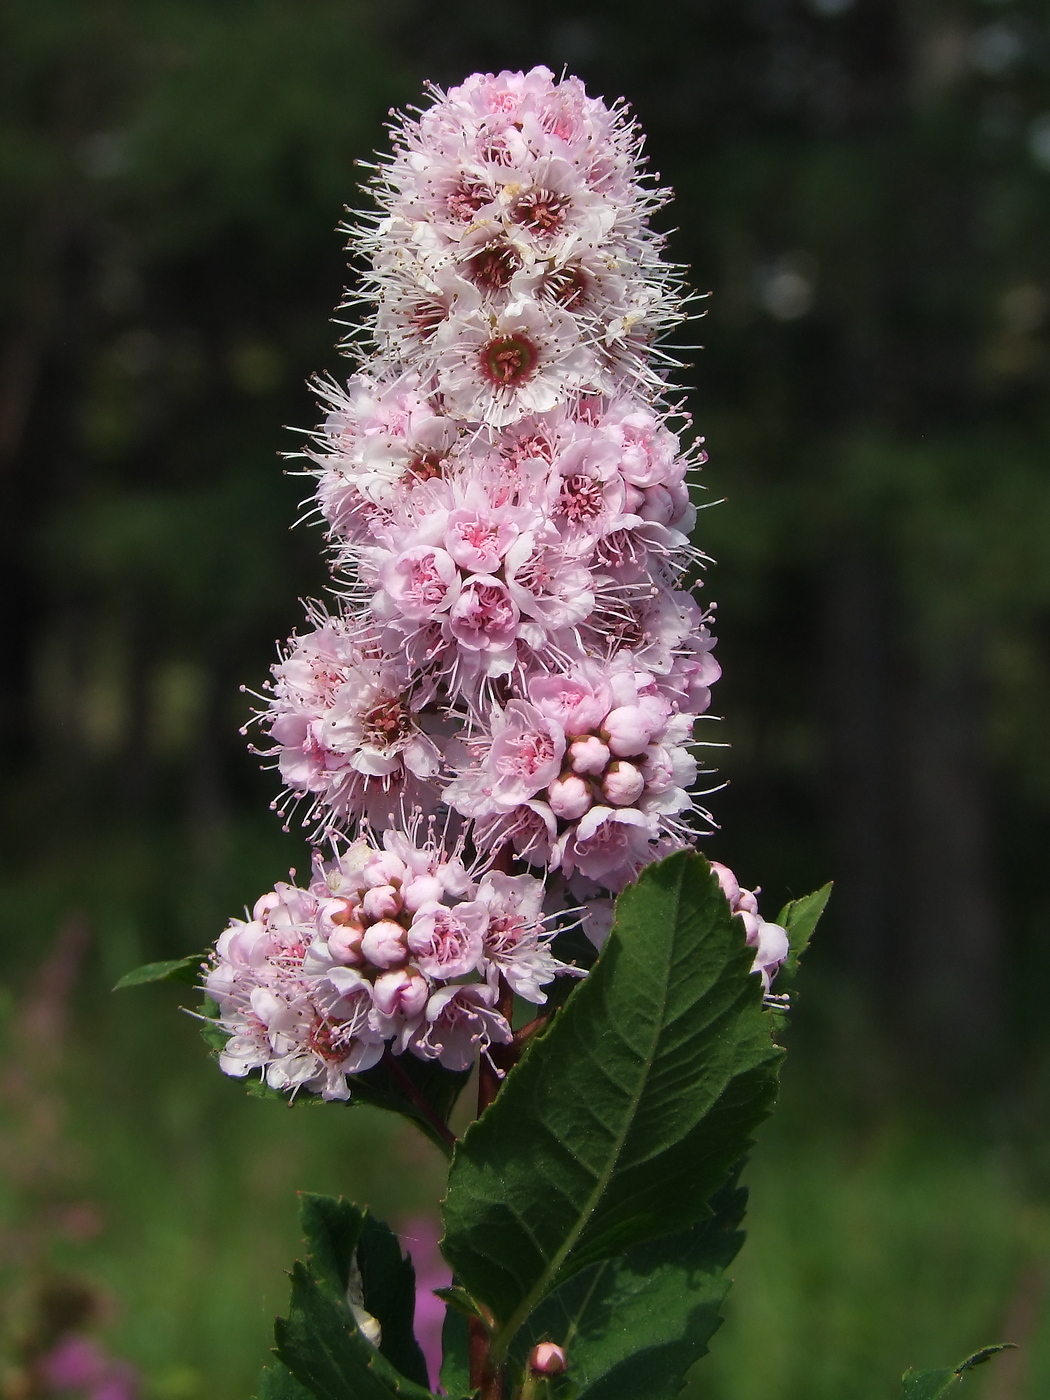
(569, 797)
(622, 784)
(344, 944)
(384, 944)
(384, 868)
(341, 911)
(730, 884)
(588, 755)
(423, 889)
(265, 904)
(629, 730)
(381, 902)
(404, 992)
(547, 1359)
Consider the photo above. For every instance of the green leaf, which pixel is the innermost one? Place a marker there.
(212, 1033)
(632, 1327)
(931, 1385)
(459, 1299)
(799, 919)
(335, 1230)
(177, 970)
(320, 1344)
(455, 1357)
(331, 1228)
(277, 1383)
(420, 1090)
(389, 1284)
(619, 1123)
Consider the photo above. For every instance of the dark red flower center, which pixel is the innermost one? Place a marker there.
(541, 210)
(492, 268)
(509, 359)
(466, 199)
(568, 286)
(386, 724)
(426, 466)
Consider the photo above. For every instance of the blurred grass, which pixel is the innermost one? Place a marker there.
(879, 1236)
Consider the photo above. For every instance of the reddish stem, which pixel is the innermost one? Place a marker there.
(410, 1091)
(492, 1068)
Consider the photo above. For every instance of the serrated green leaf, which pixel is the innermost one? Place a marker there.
(388, 1281)
(620, 1123)
(321, 1345)
(277, 1383)
(799, 919)
(336, 1230)
(457, 1298)
(331, 1228)
(455, 1355)
(932, 1385)
(632, 1327)
(175, 970)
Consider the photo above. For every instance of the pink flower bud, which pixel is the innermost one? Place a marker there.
(589, 755)
(747, 902)
(384, 869)
(569, 797)
(384, 944)
(622, 784)
(424, 889)
(381, 902)
(344, 944)
(337, 913)
(730, 884)
(629, 729)
(547, 1359)
(264, 904)
(403, 993)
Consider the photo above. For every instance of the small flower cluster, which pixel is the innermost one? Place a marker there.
(516, 640)
(377, 950)
(511, 259)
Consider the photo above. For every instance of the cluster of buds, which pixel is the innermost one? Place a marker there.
(515, 651)
(395, 944)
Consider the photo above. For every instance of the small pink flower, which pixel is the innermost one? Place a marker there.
(484, 616)
(421, 582)
(446, 942)
(459, 1024)
(478, 543)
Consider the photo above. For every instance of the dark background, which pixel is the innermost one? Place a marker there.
(863, 187)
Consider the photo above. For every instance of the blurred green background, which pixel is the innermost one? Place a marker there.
(864, 188)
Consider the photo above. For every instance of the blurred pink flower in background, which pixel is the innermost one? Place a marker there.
(419, 1236)
(79, 1366)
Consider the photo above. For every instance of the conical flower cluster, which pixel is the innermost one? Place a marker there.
(513, 670)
